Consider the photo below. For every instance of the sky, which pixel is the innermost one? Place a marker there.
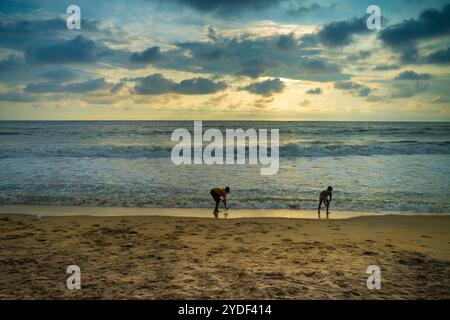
(225, 60)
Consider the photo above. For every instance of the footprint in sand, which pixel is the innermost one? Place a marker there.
(370, 253)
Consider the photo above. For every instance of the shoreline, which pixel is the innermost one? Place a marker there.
(71, 210)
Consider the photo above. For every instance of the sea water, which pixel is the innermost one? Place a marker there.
(393, 166)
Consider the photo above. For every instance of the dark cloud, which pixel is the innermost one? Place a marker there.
(59, 74)
(117, 87)
(212, 55)
(360, 55)
(353, 87)
(11, 63)
(439, 57)
(154, 84)
(409, 91)
(265, 88)
(74, 87)
(13, 6)
(157, 84)
(12, 96)
(199, 86)
(228, 7)
(403, 37)
(48, 41)
(309, 41)
(149, 55)
(268, 56)
(77, 50)
(304, 10)
(430, 23)
(340, 33)
(86, 86)
(255, 67)
(316, 65)
(314, 91)
(286, 42)
(22, 34)
(411, 75)
(386, 67)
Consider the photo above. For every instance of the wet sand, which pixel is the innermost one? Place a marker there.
(156, 257)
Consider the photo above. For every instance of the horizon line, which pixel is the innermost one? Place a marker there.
(210, 120)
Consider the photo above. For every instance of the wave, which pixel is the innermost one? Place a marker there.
(350, 202)
(406, 147)
(84, 151)
(371, 149)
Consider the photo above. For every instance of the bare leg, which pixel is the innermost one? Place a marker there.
(216, 210)
(320, 204)
(328, 205)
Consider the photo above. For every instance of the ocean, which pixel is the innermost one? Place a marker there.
(372, 166)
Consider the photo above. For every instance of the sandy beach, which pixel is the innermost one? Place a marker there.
(160, 257)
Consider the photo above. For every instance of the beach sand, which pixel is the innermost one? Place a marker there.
(157, 257)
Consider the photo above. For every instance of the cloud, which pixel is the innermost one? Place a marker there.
(11, 63)
(253, 56)
(86, 86)
(316, 65)
(59, 74)
(386, 67)
(253, 68)
(409, 91)
(430, 23)
(149, 55)
(27, 33)
(377, 98)
(212, 55)
(43, 87)
(38, 40)
(199, 86)
(309, 41)
(13, 96)
(340, 33)
(286, 42)
(157, 84)
(441, 56)
(263, 102)
(440, 99)
(403, 37)
(77, 50)
(74, 87)
(411, 75)
(154, 84)
(305, 103)
(353, 87)
(304, 10)
(228, 7)
(361, 55)
(314, 91)
(265, 88)
(14, 32)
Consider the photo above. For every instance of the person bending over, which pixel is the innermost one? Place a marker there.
(325, 197)
(218, 195)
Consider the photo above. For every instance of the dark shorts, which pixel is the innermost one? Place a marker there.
(215, 196)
